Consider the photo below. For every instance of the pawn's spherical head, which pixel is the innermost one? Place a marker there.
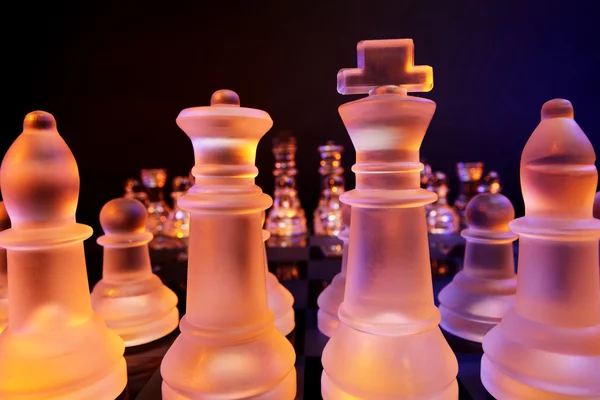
(346, 214)
(557, 108)
(39, 120)
(490, 211)
(123, 215)
(225, 97)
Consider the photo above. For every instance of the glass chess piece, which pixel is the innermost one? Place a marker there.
(286, 220)
(54, 347)
(134, 189)
(177, 227)
(426, 174)
(484, 290)
(279, 299)
(229, 347)
(332, 296)
(327, 217)
(490, 183)
(548, 345)
(132, 300)
(4, 225)
(388, 344)
(154, 181)
(442, 218)
(469, 175)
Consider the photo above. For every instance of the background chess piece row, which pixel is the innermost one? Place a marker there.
(444, 218)
(169, 224)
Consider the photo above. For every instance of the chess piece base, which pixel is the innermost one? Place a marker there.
(330, 391)
(360, 365)
(563, 365)
(72, 372)
(139, 312)
(286, 323)
(502, 386)
(465, 328)
(329, 302)
(281, 303)
(470, 307)
(250, 365)
(284, 390)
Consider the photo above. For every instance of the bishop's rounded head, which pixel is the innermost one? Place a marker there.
(557, 108)
(39, 120)
(489, 211)
(39, 176)
(122, 216)
(558, 173)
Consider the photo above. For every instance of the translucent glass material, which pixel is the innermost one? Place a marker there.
(154, 180)
(484, 290)
(130, 298)
(327, 217)
(332, 296)
(469, 174)
(279, 299)
(54, 347)
(229, 347)
(177, 227)
(548, 346)
(388, 344)
(286, 219)
(442, 218)
(4, 224)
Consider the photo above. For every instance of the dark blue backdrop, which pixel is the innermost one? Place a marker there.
(117, 81)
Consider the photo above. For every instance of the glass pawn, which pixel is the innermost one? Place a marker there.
(441, 217)
(154, 181)
(327, 218)
(177, 227)
(469, 175)
(286, 220)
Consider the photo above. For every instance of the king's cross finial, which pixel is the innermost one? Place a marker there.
(382, 63)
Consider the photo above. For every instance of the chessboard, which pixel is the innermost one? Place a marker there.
(305, 272)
